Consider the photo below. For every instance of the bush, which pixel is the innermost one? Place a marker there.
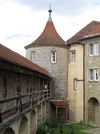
(53, 123)
(41, 129)
(82, 122)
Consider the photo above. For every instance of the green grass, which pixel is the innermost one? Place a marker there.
(68, 128)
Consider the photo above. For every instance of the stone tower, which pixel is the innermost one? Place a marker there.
(49, 51)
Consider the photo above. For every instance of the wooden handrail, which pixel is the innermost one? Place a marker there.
(8, 99)
(20, 106)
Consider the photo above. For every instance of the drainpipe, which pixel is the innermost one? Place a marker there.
(83, 80)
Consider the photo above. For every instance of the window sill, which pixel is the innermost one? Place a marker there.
(93, 81)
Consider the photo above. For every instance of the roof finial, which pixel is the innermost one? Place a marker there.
(50, 13)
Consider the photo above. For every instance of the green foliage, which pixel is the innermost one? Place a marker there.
(55, 126)
(53, 123)
(41, 129)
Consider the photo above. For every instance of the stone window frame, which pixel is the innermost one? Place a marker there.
(95, 73)
(93, 49)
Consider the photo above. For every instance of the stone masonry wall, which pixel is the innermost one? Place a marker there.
(92, 89)
(57, 70)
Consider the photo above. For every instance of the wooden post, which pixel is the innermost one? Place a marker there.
(56, 111)
(0, 117)
(19, 105)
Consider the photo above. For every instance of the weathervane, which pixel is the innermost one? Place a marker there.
(50, 13)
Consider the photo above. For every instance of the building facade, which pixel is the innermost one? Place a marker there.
(89, 40)
(66, 85)
(75, 82)
(49, 50)
(70, 65)
(92, 81)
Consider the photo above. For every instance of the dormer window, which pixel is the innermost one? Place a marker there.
(33, 56)
(53, 56)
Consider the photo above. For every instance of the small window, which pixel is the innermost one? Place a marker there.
(90, 74)
(94, 49)
(94, 74)
(91, 49)
(53, 57)
(72, 56)
(33, 56)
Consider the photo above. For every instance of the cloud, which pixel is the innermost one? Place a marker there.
(17, 24)
(21, 23)
(63, 7)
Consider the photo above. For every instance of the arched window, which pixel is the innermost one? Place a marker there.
(4, 93)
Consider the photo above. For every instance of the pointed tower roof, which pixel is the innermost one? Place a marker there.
(89, 31)
(49, 36)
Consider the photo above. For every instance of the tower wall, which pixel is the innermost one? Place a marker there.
(57, 70)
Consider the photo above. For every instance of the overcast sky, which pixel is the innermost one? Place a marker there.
(22, 21)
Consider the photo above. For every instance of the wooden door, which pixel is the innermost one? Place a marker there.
(91, 113)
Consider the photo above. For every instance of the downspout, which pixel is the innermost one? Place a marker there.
(68, 48)
(83, 80)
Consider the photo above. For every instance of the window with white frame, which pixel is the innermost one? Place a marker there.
(94, 74)
(72, 56)
(33, 56)
(53, 56)
(93, 49)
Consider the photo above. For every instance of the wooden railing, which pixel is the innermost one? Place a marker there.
(20, 103)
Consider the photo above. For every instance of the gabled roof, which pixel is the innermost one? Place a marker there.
(49, 36)
(91, 30)
(16, 59)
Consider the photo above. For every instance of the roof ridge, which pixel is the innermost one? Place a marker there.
(15, 58)
(84, 31)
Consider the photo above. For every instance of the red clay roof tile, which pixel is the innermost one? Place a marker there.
(92, 29)
(48, 37)
(14, 58)
(60, 103)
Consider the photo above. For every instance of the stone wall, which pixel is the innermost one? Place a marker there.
(57, 70)
(92, 88)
